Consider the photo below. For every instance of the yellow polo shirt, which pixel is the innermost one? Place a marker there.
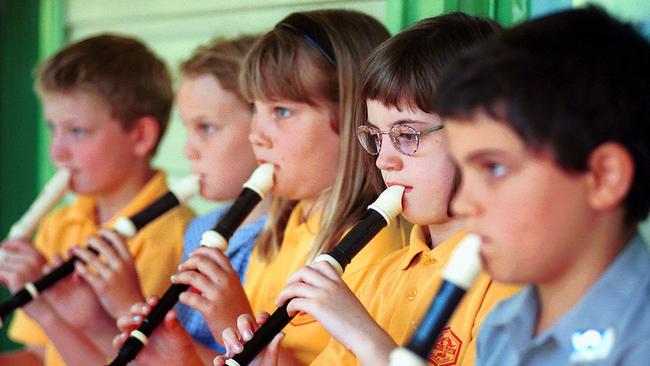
(305, 337)
(400, 290)
(156, 249)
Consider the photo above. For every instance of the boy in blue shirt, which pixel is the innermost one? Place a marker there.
(549, 125)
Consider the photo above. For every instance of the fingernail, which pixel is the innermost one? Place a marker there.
(248, 335)
(137, 318)
(173, 278)
(237, 347)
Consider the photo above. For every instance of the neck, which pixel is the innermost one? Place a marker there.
(563, 291)
(109, 204)
(438, 233)
(316, 204)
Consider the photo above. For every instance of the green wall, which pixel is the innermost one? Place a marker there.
(401, 13)
(18, 113)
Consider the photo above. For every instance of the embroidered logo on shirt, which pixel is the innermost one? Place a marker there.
(591, 345)
(446, 350)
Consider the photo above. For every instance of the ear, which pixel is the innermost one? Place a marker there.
(145, 133)
(611, 172)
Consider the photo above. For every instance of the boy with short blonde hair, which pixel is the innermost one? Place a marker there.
(107, 101)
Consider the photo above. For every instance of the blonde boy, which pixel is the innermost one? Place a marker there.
(107, 101)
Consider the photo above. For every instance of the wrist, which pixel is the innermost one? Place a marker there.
(376, 349)
(42, 312)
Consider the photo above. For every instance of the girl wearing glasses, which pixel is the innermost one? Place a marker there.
(405, 140)
(301, 78)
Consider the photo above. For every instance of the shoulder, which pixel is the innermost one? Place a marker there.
(60, 214)
(505, 311)
(366, 282)
(53, 224)
(206, 221)
(387, 242)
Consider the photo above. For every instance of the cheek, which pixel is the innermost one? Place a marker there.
(227, 164)
(428, 202)
(533, 231)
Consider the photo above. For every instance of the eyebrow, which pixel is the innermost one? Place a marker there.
(400, 122)
(484, 153)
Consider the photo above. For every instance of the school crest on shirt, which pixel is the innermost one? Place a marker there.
(446, 350)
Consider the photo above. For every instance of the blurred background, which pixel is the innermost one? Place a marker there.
(31, 30)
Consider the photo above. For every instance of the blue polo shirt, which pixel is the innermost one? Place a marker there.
(610, 325)
(239, 250)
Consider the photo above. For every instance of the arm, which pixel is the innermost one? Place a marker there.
(72, 319)
(30, 356)
(318, 290)
(73, 346)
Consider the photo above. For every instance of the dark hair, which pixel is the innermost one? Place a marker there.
(568, 82)
(123, 71)
(404, 70)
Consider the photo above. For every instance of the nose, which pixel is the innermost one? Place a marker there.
(59, 151)
(258, 137)
(388, 159)
(462, 204)
(189, 150)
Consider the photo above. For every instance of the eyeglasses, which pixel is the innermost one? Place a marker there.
(405, 139)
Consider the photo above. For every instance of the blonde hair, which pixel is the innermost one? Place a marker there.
(221, 58)
(121, 70)
(285, 64)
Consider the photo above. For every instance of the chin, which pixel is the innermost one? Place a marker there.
(215, 196)
(424, 218)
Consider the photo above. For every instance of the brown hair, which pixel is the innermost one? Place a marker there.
(403, 72)
(221, 58)
(291, 64)
(122, 70)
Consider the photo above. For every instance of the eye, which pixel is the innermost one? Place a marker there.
(404, 133)
(282, 112)
(207, 128)
(78, 131)
(496, 170)
(408, 136)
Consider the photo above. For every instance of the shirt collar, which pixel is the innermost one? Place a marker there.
(627, 274)
(622, 281)
(418, 247)
(311, 225)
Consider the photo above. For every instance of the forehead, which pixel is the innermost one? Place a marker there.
(480, 133)
(205, 92)
(383, 116)
(76, 102)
